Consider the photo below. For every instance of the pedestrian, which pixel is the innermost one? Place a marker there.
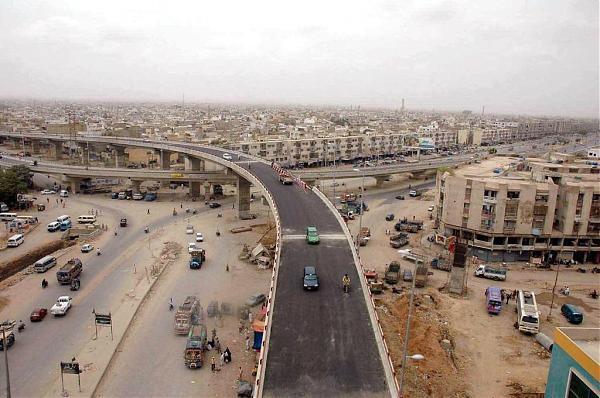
(241, 373)
(56, 200)
(507, 298)
(181, 205)
(64, 204)
(61, 200)
(502, 295)
(515, 294)
(250, 317)
(222, 359)
(217, 345)
(247, 343)
(148, 211)
(212, 363)
(48, 200)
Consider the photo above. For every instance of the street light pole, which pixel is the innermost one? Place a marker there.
(553, 289)
(362, 201)
(5, 347)
(407, 334)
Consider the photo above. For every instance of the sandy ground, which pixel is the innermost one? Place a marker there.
(477, 339)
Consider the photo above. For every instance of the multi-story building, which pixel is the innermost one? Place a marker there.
(535, 209)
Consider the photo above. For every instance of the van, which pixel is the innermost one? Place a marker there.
(44, 264)
(63, 218)
(65, 225)
(15, 240)
(64, 194)
(7, 216)
(493, 297)
(28, 219)
(53, 226)
(86, 219)
(572, 313)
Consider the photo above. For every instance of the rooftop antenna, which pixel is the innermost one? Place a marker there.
(483, 111)
(182, 100)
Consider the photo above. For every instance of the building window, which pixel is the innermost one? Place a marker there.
(578, 387)
(513, 194)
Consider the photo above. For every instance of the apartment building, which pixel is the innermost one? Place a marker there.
(535, 209)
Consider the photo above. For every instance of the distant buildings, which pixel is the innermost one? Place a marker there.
(536, 209)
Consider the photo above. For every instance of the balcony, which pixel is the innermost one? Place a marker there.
(491, 199)
(487, 215)
(510, 216)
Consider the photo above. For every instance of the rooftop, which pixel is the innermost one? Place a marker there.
(587, 339)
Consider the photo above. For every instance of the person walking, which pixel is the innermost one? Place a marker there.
(241, 374)
(148, 211)
(212, 363)
(247, 343)
(222, 359)
(217, 345)
(250, 317)
(508, 295)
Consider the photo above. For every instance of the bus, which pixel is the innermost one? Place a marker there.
(493, 298)
(528, 316)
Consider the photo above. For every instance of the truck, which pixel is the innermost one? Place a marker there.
(188, 313)
(198, 256)
(441, 264)
(421, 275)
(195, 346)
(392, 273)
(285, 179)
(347, 197)
(489, 272)
(528, 316)
(398, 240)
(71, 270)
(364, 236)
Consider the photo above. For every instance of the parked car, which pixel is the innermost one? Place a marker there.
(389, 217)
(400, 197)
(256, 299)
(38, 314)
(62, 305)
(414, 194)
(214, 205)
(431, 208)
(53, 226)
(310, 280)
(572, 313)
(192, 247)
(10, 338)
(138, 196)
(123, 222)
(189, 229)
(88, 247)
(199, 237)
(114, 195)
(47, 192)
(407, 275)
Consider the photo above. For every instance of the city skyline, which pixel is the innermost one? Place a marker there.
(535, 58)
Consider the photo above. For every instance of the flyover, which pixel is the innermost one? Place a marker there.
(322, 343)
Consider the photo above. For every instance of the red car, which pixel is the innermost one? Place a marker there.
(38, 314)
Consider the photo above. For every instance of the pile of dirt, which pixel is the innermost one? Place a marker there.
(268, 234)
(546, 298)
(9, 268)
(439, 374)
(522, 391)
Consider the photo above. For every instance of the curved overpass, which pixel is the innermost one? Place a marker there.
(321, 343)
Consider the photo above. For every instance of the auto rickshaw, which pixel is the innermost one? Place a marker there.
(75, 284)
(41, 207)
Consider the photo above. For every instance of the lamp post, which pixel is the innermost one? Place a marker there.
(5, 347)
(405, 355)
(362, 199)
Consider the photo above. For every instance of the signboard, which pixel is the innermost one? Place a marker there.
(103, 320)
(70, 368)
(176, 175)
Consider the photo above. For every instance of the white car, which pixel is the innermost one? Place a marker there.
(199, 237)
(47, 192)
(227, 156)
(192, 246)
(87, 248)
(189, 229)
(62, 306)
(430, 208)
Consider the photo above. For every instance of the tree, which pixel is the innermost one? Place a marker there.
(13, 181)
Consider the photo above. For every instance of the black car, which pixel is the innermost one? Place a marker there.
(400, 197)
(389, 217)
(310, 279)
(214, 205)
(10, 340)
(114, 195)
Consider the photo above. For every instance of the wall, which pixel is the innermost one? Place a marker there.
(558, 375)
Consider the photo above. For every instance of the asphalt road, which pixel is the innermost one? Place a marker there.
(35, 357)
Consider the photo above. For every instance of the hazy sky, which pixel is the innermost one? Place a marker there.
(527, 56)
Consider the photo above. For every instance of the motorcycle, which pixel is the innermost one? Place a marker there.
(44, 284)
(98, 253)
(146, 230)
(171, 306)
(21, 326)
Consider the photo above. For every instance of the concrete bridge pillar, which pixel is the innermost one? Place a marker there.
(16, 143)
(135, 185)
(195, 189)
(74, 184)
(379, 180)
(206, 187)
(243, 197)
(165, 159)
(192, 163)
(35, 147)
(120, 156)
(57, 149)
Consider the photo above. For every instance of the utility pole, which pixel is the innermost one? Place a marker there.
(553, 290)
(407, 333)
(5, 347)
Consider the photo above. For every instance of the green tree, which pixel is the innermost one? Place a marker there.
(13, 181)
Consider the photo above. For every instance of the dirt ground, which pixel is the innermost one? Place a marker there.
(484, 355)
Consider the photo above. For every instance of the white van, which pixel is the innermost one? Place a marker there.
(53, 226)
(64, 194)
(64, 218)
(8, 216)
(86, 219)
(28, 219)
(15, 240)
(44, 264)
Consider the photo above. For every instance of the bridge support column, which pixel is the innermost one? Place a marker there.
(57, 149)
(192, 163)
(195, 189)
(135, 185)
(379, 180)
(206, 186)
(74, 184)
(120, 156)
(165, 159)
(243, 197)
(16, 143)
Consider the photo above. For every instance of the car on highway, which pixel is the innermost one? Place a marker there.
(199, 237)
(189, 229)
(400, 197)
(53, 226)
(389, 217)
(312, 236)
(62, 305)
(214, 205)
(38, 314)
(86, 248)
(310, 281)
(227, 156)
(256, 299)
(192, 247)
(414, 194)
(47, 192)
